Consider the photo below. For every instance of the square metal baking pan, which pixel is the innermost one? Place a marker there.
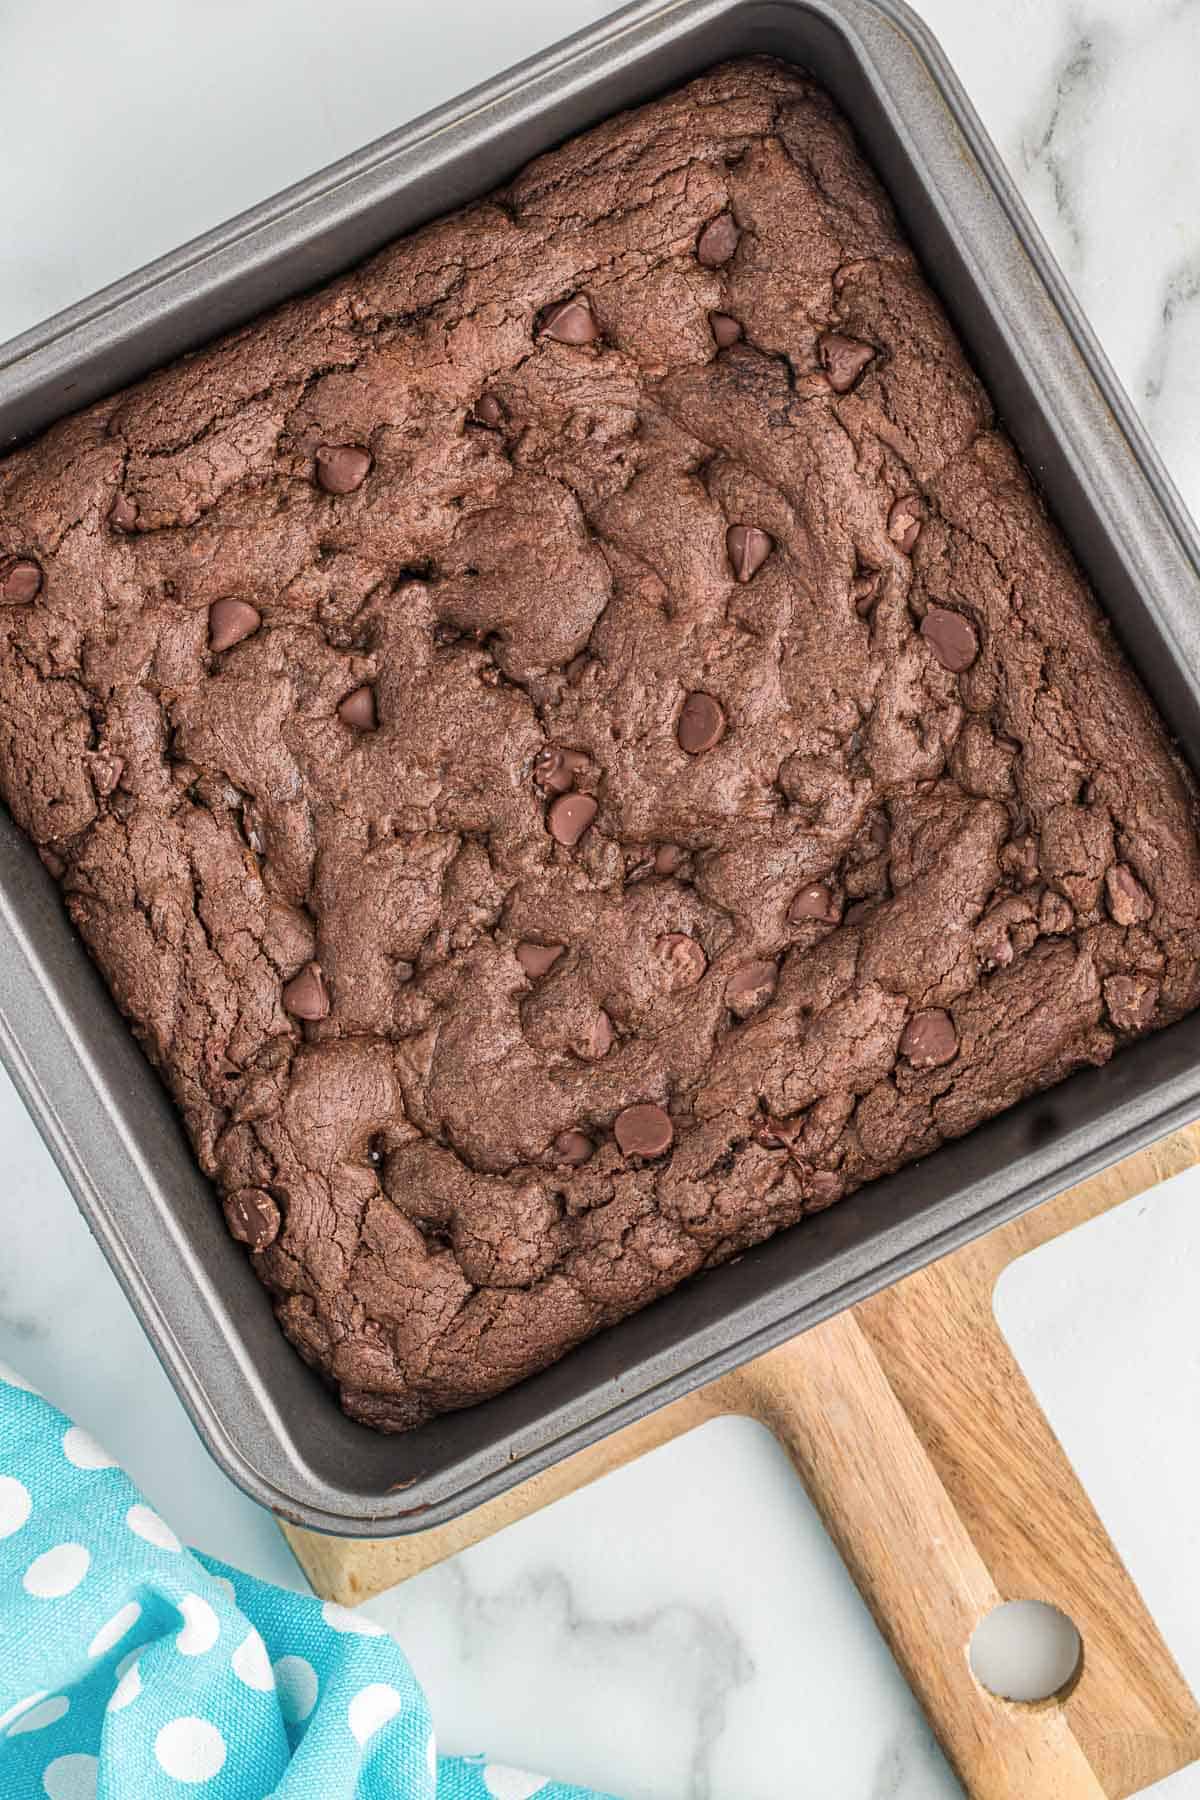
(266, 1418)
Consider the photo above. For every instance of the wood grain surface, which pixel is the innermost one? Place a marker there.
(946, 1492)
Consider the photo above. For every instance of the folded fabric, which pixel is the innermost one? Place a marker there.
(134, 1669)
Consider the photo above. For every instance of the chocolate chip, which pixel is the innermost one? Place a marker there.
(488, 411)
(573, 1148)
(570, 322)
(952, 638)
(556, 770)
(358, 708)
(53, 862)
(725, 328)
(643, 1131)
(669, 859)
(1128, 901)
(1019, 859)
(750, 987)
(306, 996)
(376, 1149)
(682, 958)
(229, 621)
(862, 909)
(748, 549)
(816, 901)
(122, 514)
(600, 1038)
(20, 580)
(864, 591)
(929, 1039)
(1131, 1001)
(106, 771)
(1055, 915)
(701, 724)
(569, 817)
(718, 241)
(252, 1217)
(844, 358)
(535, 959)
(821, 1187)
(904, 522)
(342, 467)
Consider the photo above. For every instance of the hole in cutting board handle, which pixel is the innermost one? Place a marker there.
(1026, 1650)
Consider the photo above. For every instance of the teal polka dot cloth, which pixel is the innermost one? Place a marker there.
(134, 1669)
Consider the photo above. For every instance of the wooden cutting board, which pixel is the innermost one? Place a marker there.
(946, 1492)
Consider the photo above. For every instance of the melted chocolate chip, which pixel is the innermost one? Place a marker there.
(1128, 901)
(573, 1148)
(904, 522)
(536, 959)
(20, 580)
(600, 1038)
(342, 467)
(1131, 1001)
(1055, 915)
(122, 514)
(725, 328)
(816, 901)
(556, 770)
(682, 959)
(643, 1131)
(929, 1039)
(229, 621)
(358, 708)
(718, 241)
(669, 859)
(488, 411)
(844, 359)
(952, 638)
(252, 1217)
(750, 987)
(864, 592)
(306, 996)
(570, 322)
(569, 816)
(748, 549)
(701, 724)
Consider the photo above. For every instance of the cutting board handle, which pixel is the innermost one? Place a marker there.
(944, 1488)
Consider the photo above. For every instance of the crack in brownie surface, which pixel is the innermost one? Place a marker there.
(578, 744)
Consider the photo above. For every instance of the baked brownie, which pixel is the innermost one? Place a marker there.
(578, 744)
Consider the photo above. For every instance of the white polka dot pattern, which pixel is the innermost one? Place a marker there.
(15, 1505)
(81, 1449)
(252, 1665)
(117, 1627)
(10, 1378)
(14, 1712)
(298, 1686)
(200, 1626)
(56, 1572)
(147, 1524)
(340, 1618)
(38, 1717)
(71, 1778)
(128, 1687)
(371, 1708)
(503, 1783)
(190, 1749)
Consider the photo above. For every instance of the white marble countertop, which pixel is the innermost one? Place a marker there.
(685, 1629)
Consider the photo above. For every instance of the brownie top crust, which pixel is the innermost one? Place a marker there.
(579, 743)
